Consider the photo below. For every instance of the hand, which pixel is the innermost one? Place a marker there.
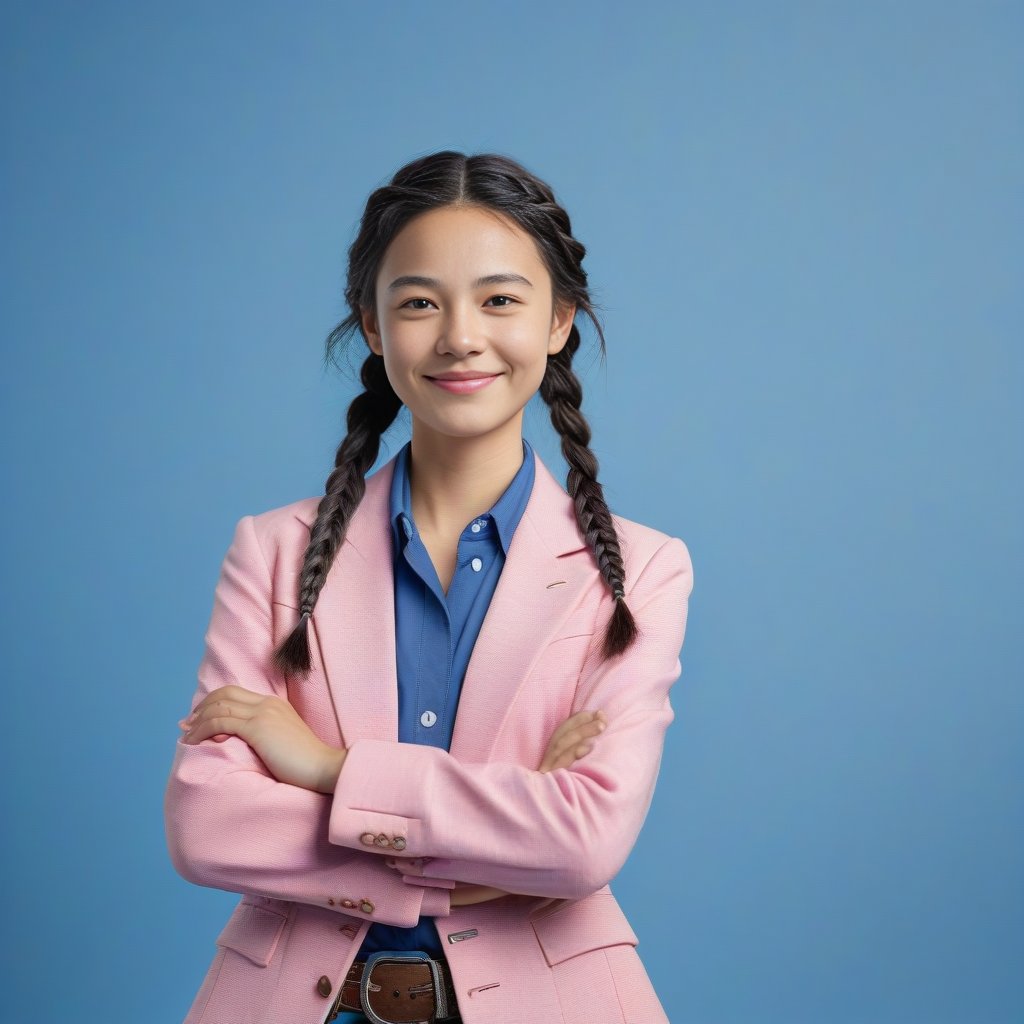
(292, 752)
(572, 739)
(463, 894)
(466, 893)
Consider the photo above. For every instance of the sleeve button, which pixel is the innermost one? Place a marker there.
(367, 838)
(382, 840)
(348, 903)
(366, 906)
(398, 843)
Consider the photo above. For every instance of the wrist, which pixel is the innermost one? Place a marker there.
(333, 764)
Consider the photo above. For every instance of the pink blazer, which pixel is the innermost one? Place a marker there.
(310, 867)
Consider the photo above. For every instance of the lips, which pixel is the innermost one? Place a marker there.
(468, 375)
(463, 385)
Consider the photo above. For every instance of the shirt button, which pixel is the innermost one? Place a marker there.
(477, 526)
(477, 564)
(428, 718)
(323, 986)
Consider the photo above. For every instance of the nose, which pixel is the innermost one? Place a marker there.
(460, 332)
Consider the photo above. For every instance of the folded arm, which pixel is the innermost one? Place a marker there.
(229, 823)
(564, 833)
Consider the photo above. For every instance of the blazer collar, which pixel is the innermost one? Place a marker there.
(352, 628)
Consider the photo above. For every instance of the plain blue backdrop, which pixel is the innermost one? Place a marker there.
(804, 227)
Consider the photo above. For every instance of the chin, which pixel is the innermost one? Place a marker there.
(465, 427)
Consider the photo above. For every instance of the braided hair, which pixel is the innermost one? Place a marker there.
(496, 182)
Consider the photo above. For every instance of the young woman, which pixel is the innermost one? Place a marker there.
(432, 704)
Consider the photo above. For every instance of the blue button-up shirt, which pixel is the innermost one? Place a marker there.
(435, 634)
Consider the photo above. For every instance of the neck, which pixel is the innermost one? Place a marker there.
(454, 479)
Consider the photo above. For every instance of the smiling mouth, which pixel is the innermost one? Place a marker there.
(465, 385)
(469, 376)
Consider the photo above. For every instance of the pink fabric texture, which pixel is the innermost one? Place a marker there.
(559, 948)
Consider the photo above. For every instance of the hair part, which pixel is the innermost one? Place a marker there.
(489, 181)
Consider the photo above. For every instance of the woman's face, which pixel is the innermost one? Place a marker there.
(450, 319)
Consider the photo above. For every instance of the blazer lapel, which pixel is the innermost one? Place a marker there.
(353, 623)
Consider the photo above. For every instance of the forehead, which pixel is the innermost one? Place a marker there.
(456, 243)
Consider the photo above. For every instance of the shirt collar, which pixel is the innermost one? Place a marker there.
(505, 512)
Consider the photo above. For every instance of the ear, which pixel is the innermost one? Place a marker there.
(561, 324)
(368, 319)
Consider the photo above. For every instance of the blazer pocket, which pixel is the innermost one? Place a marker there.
(580, 926)
(285, 588)
(561, 658)
(254, 932)
(577, 624)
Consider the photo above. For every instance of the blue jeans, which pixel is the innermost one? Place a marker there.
(351, 1017)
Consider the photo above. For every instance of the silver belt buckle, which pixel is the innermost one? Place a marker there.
(440, 997)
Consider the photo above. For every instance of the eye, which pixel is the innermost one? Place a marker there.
(508, 297)
(406, 303)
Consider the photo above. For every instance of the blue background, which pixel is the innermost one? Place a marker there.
(804, 225)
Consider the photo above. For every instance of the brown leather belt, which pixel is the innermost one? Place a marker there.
(399, 986)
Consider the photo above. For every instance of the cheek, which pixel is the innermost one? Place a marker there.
(400, 364)
(398, 376)
(536, 370)
(527, 354)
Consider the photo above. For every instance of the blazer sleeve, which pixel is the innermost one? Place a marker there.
(229, 823)
(564, 833)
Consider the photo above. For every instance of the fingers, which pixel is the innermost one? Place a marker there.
(573, 739)
(576, 725)
(218, 729)
(220, 701)
(231, 692)
(186, 724)
(218, 720)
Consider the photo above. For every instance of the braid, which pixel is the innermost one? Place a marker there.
(562, 392)
(494, 182)
(369, 416)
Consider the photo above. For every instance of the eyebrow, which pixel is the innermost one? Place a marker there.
(480, 282)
